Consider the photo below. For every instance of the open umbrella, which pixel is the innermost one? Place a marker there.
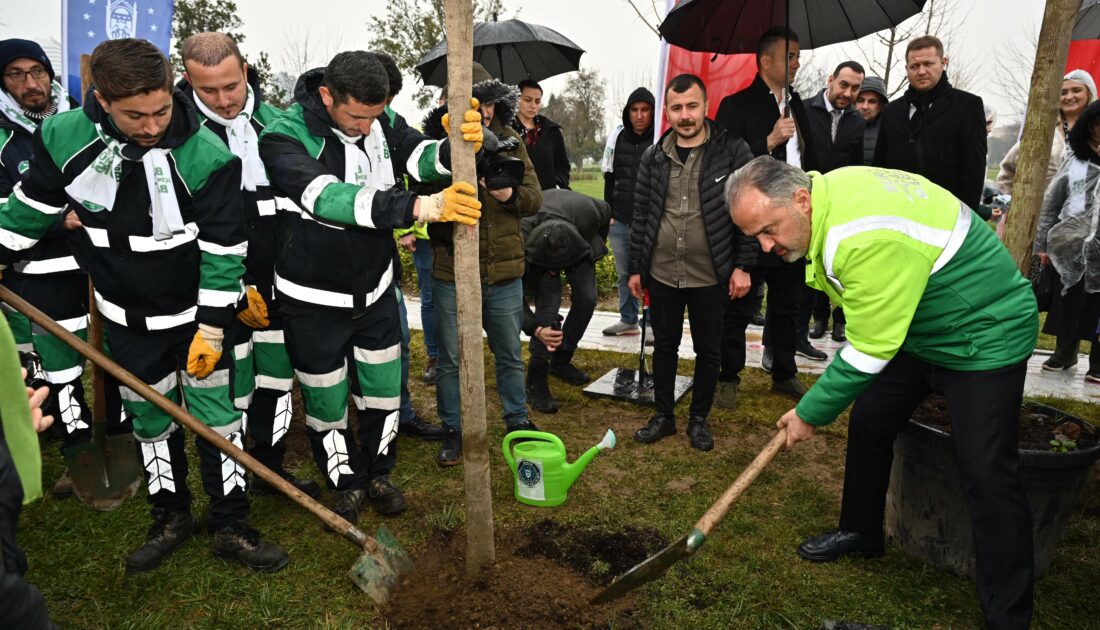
(511, 51)
(734, 26)
(1087, 23)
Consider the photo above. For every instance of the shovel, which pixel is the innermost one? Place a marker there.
(655, 566)
(626, 385)
(105, 471)
(383, 560)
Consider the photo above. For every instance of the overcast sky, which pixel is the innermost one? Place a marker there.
(618, 43)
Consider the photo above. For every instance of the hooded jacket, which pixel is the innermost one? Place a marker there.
(142, 283)
(626, 150)
(729, 247)
(261, 220)
(500, 241)
(569, 229)
(339, 253)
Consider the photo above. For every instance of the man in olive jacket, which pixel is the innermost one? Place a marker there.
(501, 256)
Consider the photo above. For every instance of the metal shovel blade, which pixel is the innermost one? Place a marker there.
(623, 385)
(652, 568)
(378, 572)
(104, 477)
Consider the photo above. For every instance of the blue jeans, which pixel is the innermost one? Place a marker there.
(405, 411)
(501, 316)
(422, 259)
(619, 236)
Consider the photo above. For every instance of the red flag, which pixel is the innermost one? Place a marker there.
(1084, 54)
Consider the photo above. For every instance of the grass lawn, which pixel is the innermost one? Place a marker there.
(747, 575)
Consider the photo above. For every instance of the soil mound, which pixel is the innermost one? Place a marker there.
(1038, 425)
(523, 590)
(596, 552)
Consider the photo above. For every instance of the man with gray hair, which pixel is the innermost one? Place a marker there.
(896, 251)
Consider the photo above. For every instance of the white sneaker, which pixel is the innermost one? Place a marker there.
(621, 328)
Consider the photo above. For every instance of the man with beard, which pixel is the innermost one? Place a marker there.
(158, 197)
(897, 251)
(935, 129)
(226, 91)
(872, 98)
(47, 276)
(685, 250)
(334, 269)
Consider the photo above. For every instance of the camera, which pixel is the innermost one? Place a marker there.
(500, 171)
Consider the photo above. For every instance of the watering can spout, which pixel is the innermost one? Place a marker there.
(574, 470)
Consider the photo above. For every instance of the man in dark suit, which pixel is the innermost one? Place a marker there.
(757, 115)
(835, 130)
(935, 130)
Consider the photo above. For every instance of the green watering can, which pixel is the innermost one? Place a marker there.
(543, 477)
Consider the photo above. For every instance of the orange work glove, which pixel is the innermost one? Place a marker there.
(456, 203)
(255, 316)
(471, 125)
(205, 351)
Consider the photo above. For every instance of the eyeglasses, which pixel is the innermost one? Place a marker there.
(20, 76)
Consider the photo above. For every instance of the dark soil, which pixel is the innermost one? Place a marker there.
(595, 552)
(1037, 426)
(520, 591)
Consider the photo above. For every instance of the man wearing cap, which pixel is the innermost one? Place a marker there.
(47, 276)
(567, 235)
(872, 98)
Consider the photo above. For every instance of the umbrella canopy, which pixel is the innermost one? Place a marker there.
(1087, 23)
(734, 26)
(510, 51)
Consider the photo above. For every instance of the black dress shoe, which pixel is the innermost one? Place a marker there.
(806, 349)
(569, 373)
(767, 359)
(838, 332)
(817, 331)
(833, 545)
(758, 319)
(699, 434)
(526, 425)
(421, 428)
(450, 451)
(659, 426)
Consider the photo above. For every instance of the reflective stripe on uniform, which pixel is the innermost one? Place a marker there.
(145, 244)
(117, 314)
(332, 298)
(862, 361)
(49, 265)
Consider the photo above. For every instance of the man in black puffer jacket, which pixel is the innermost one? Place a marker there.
(687, 252)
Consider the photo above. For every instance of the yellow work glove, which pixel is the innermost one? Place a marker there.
(255, 316)
(471, 125)
(205, 351)
(457, 203)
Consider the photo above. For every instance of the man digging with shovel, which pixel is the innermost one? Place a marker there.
(934, 303)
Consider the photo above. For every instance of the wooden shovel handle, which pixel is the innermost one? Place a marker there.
(327, 516)
(717, 512)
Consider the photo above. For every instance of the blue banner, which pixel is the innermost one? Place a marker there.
(86, 23)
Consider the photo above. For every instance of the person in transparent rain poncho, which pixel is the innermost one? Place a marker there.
(1068, 238)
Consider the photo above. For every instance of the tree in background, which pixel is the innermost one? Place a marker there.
(410, 28)
(579, 109)
(220, 16)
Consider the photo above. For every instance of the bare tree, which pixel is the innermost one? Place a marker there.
(304, 52)
(1015, 57)
(651, 18)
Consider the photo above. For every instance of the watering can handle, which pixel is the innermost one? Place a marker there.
(529, 435)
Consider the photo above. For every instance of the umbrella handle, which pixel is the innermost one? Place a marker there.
(718, 511)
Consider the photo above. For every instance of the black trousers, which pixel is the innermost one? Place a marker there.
(546, 288)
(706, 307)
(984, 409)
(785, 283)
(822, 307)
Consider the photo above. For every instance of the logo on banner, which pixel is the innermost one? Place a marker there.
(121, 19)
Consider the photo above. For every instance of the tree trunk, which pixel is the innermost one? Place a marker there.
(1042, 114)
(480, 550)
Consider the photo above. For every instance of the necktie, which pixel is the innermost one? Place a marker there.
(836, 123)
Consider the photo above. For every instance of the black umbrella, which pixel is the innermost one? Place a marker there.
(510, 51)
(734, 26)
(1087, 23)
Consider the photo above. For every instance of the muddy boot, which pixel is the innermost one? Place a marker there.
(1065, 355)
(348, 503)
(386, 498)
(538, 390)
(63, 489)
(168, 532)
(242, 544)
(450, 452)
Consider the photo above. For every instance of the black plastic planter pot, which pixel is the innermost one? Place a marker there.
(927, 515)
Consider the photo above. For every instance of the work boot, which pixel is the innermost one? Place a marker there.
(1064, 357)
(806, 349)
(561, 366)
(429, 371)
(386, 498)
(767, 359)
(538, 390)
(725, 396)
(348, 503)
(450, 452)
(838, 332)
(659, 426)
(817, 331)
(792, 388)
(63, 488)
(307, 487)
(421, 428)
(699, 434)
(833, 545)
(621, 328)
(242, 544)
(168, 531)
